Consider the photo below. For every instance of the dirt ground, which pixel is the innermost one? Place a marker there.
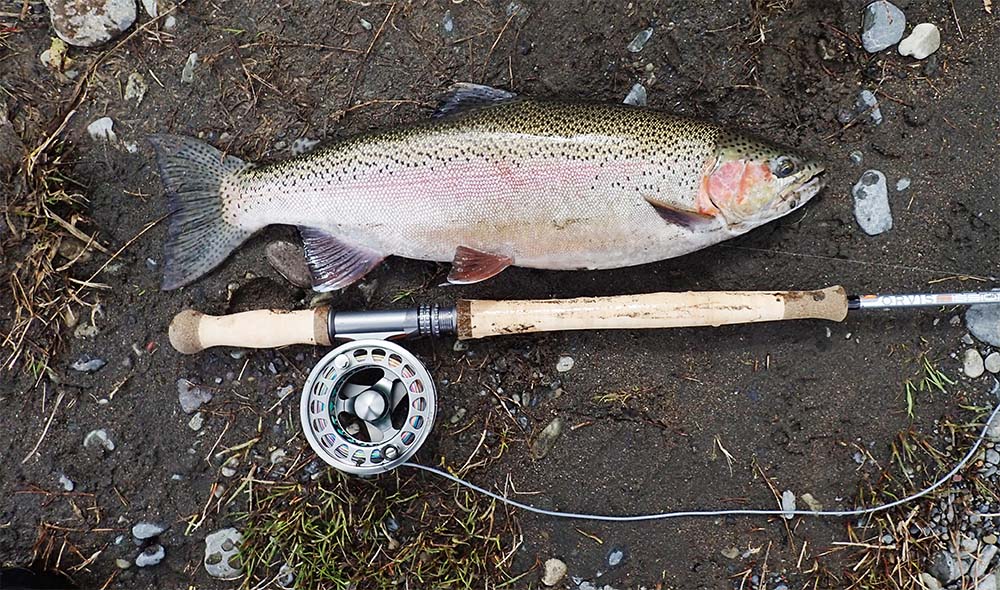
(648, 413)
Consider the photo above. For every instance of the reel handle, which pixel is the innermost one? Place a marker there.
(480, 319)
(192, 331)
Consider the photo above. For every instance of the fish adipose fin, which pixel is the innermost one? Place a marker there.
(471, 265)
(198, 237)
(334, 264)
(682, 217)
(464, 96)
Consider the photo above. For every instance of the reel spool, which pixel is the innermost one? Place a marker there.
(367, 406)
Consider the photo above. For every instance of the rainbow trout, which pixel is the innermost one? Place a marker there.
(493, 180)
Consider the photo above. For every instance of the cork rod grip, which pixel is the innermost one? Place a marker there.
(192, 331)
(480, 319)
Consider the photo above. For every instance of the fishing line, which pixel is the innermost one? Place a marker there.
(709, 513)
(863, 262)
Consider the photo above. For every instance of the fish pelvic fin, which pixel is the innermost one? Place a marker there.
(682, 217)
(199, 237)
(333, 263)
(471, 265)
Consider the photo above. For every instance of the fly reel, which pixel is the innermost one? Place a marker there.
(367, 406)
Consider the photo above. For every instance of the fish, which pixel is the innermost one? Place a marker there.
(492, 180)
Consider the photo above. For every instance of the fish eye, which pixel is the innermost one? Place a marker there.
(784, 166)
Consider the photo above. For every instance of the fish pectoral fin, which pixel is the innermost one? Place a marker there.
(333, 263)
(465, 95)
(471, 265)
(682, 217)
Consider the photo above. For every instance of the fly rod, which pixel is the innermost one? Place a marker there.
(191, 331)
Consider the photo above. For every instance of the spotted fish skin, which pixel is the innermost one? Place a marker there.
(541, 184)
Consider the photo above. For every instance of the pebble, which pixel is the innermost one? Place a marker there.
(857, 157)
(151, 556)
(365, 24)
(930, 582)
(811, 501)
(972, 364)
(922, 42)
(788, 504)
(867, 103)
(547, 438)
(85, 365)
(565, 364)
(616, 557)
(66, 483)
(992, 362)
(730, 553)
(987, 583)
(102, 130)
(992, 457)
(640, 40)
(123, 563)
(136, 87)
(460, 346)
(902, 184)
(871, 203)
(222, 554)
(286, 577)
(882, 26)
(196, 422)
(277, 456)
(187, 73)
(303, 145)
(457, 416)
(990, 539)
(98, 439)
(154, 8)
(191, 395)
(147, 530)
(290, 262)
(637, 96)
(983, 562)
(984, 323)
(555, 571)
(88, 23)
(448, 23)
(945, 568)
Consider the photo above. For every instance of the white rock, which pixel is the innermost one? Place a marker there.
(637, 96)
(222, 554)
(98, 439)
(992, 362)
(929, 582)
(102, 130)
(788, 504)
(187, 74)
(87, 23)
(196, 421)
(147, 530)
(871, 203)
(565, 364)
(555, 571)
(922, 42)
(640, 40)
(972, 364)
(151, 556)
(66, 483)
(902, 184)
(136, 87)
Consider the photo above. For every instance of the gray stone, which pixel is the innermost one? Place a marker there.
(930, 582)
(98, 439)
(984, 323)
(616, 557)
(882, 26)
(922, 42)
(85, 365)
(66, 483)
(290, 262)
(982, 564)
(151, 556)
(973, 364)
(191, 395)
(222, 554)
(945, 567)
(871, 203)
(637, 96)
(987, 583)
(88, 23)
(992, 362)
(857, 157)
(992, 457)
(867, 103)
(136, 88)
(286, 577)
(147, 530)
(547, 438)
(555, 571)
(902, 184)
(187, 73)
(788, 504)
(640, 40)
(196, 421)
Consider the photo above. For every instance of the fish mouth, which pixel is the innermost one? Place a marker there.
(806, 188)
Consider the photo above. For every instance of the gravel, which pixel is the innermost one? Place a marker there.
(882, 26)
(922, 42)
(102, 130)
(871, 203)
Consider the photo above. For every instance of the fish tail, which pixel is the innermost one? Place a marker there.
(199, 237)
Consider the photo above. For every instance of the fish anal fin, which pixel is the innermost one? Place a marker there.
(682, 217)
(471, 265)
(464, 96)
(335, 264)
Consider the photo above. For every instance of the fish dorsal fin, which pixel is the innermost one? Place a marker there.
(465, 95)
(682, 217)
(471, 265)
(333, 263)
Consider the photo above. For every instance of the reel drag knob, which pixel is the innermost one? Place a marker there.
(367, 406)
